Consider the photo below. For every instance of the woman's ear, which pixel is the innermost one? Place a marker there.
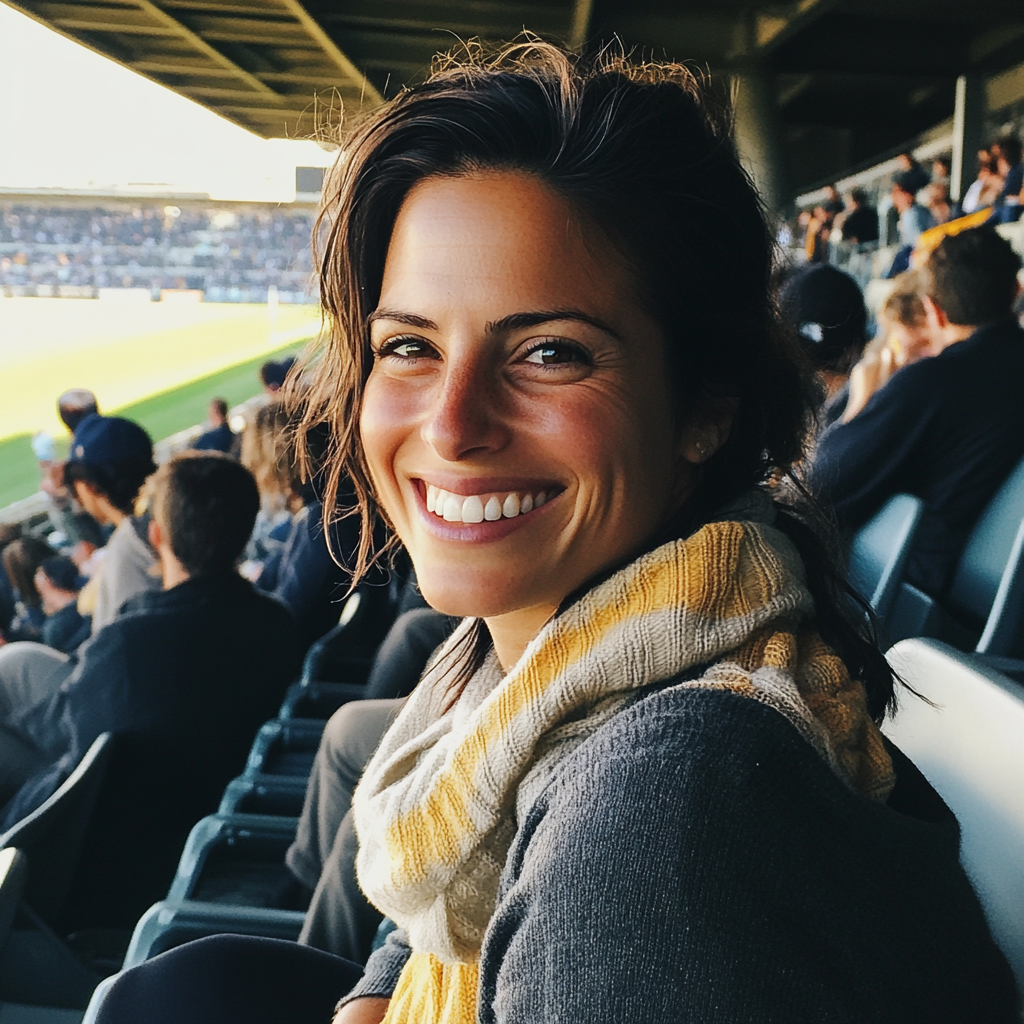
(156, 535)
(708, 428)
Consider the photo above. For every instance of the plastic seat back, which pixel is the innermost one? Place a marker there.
(13, 865)
(970, 747)
(879, 551)
(988, 585)
(51, 836)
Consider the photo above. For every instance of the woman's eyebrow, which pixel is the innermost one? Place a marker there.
(409, 319)
(520, 321)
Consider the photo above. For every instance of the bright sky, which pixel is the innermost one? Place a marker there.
(72, 119)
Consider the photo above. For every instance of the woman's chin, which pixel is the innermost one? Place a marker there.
(463, 595)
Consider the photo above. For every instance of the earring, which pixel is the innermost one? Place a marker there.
(704, 446)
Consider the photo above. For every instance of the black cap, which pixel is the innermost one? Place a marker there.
(106, 439)
(827, 309)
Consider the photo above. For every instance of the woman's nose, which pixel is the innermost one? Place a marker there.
(466, 418)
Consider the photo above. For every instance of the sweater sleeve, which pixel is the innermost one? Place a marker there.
(382, 969)
(861, 464)
(709, 867)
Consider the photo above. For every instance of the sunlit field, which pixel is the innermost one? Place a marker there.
(159, 362)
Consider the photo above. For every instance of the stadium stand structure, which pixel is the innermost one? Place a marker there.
(229, 252)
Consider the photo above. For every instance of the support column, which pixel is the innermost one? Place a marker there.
(968, 120)
(757, 135)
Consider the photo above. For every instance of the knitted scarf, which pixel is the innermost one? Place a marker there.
(435, 808)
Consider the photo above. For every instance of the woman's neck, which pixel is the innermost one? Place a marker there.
(512, 632)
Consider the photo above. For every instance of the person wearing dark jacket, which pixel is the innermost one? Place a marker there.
(220, 437)
(948, 429)
(183, 679)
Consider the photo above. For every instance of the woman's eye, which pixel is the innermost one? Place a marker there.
(406, 348)
(557, 353)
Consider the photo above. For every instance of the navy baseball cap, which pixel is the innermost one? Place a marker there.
(103, 439)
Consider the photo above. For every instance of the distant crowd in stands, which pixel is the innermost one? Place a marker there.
(931, 405)
(231, 255)
(919, 200)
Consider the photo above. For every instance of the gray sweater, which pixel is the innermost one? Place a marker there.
(695, 860)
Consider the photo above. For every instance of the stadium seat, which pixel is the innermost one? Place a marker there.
(879, 551)
(51, 836)
(282, 795)
(969, 744)
(285, 747)
(168, 924)
(13, 869)
(235, 859)
(984, 611)
(318, 700)
(37, 967)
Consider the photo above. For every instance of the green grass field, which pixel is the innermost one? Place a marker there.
(157, 363)
(162, 415)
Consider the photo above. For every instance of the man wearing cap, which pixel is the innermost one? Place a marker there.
(826, 308)
(948, 428)
(109, 461)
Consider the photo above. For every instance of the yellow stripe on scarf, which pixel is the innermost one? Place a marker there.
(721, 553)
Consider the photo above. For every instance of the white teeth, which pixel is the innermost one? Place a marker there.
(472, 510)
(452, 510)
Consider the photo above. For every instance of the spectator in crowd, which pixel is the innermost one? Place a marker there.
(220, 437)
(9, 532)
(818, 231)
(860, 223)
(182, 679)
(904, 336)
(911, 173)
(21, 559)
(948, 428)
(74, 405)
(935, 198)
(941, 168)
(110, 460)
(268, 452)
(826, 308)
(914, 219)
(605, 800)
(986, 187)
(273, 374)
(1010, 167)
(58, 582)
(67, 515)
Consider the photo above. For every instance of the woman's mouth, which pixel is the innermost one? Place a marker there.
(479, 508)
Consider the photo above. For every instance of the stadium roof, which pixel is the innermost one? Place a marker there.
(872, 72)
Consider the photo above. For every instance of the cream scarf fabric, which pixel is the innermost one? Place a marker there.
(434, 811)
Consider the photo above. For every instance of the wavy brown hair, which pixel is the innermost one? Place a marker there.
(644, 153)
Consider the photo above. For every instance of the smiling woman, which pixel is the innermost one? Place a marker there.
(643, 780)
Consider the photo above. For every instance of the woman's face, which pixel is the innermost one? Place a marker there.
(517, 421)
